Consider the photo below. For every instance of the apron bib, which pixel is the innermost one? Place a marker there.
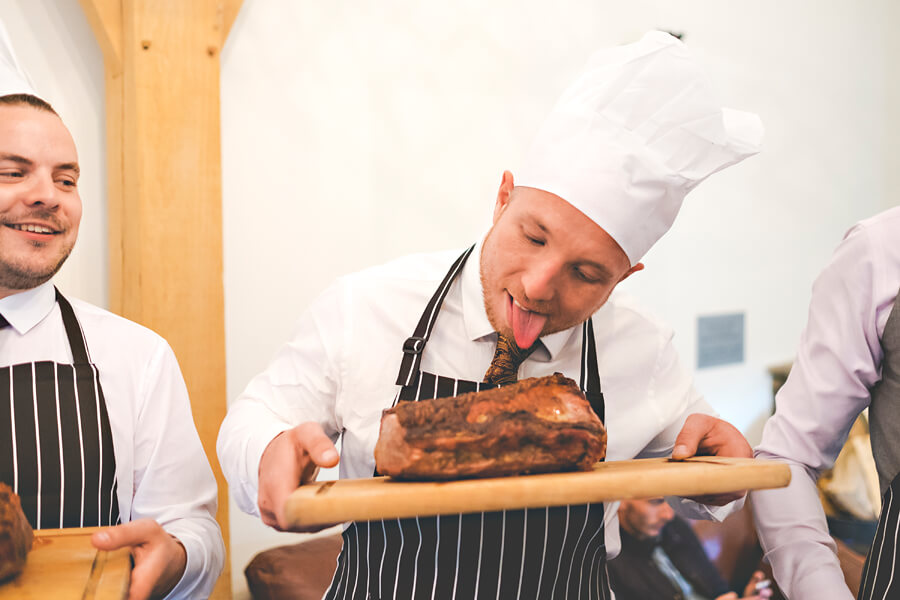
(56, 447)
(881, 574)
(540, 553)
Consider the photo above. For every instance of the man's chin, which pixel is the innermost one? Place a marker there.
(21, 283)
(15, 277)
(550, 327)
(507, 330)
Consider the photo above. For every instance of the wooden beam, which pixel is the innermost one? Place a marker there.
(119, 228)
(105, 17)
(230, 10)
(165, 190)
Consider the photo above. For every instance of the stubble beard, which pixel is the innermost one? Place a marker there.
(493, 317)
(20, 275)
(488, 309)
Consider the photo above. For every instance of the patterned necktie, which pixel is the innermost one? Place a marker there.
(504, 367)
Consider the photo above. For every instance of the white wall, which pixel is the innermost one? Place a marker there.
(358, 131)
(753, 238)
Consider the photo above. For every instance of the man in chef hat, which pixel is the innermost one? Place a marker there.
(97, 428)
(603, 181)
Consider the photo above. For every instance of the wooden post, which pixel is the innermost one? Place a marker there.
(165, 189)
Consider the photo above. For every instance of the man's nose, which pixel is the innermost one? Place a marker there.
(42, 191)
(666, 512)
(540, 280)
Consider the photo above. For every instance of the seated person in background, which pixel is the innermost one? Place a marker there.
(661, 558)
(95, 422)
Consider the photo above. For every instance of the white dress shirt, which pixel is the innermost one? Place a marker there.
(162, 471)
(339, 369)
(838, 363)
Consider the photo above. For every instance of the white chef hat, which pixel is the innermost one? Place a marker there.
(13, 79)
(638, 130)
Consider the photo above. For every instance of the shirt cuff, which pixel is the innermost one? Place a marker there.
(825, 581)
(694, 510)
(200, 572)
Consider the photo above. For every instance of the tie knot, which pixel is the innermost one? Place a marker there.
(508, 357)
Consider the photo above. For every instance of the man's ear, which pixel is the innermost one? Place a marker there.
(503, 194)
(634, 269)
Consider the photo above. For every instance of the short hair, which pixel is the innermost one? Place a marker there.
(27, 100)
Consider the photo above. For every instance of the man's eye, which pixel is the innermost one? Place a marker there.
(68, 182)
(534, 240)
(585, 277)
(12, 174)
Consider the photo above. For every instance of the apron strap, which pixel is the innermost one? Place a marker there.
(590, 372)
(413, 346)
(77, 343)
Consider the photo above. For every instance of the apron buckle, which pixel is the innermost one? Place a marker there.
(414, 345)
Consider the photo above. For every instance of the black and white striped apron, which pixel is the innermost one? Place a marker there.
(881, 574)
(56, 448)
(540, 553)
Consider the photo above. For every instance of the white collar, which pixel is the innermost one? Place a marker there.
(475, 317)
(26, 309)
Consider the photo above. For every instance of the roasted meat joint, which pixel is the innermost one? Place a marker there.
(537, 425)
(15, 534)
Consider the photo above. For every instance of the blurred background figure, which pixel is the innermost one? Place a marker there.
(662, 558)
(848, 363)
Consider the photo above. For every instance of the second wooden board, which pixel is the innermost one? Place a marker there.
(64, 565)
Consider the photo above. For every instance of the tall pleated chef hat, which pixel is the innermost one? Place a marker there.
(633, 135)
(13, 79)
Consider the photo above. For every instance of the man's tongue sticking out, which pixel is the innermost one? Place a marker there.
(526, 325)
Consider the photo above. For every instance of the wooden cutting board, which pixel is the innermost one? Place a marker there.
(332, 502)
(64, 565)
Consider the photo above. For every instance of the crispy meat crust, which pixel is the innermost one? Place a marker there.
(537, 425)
(15, 534)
